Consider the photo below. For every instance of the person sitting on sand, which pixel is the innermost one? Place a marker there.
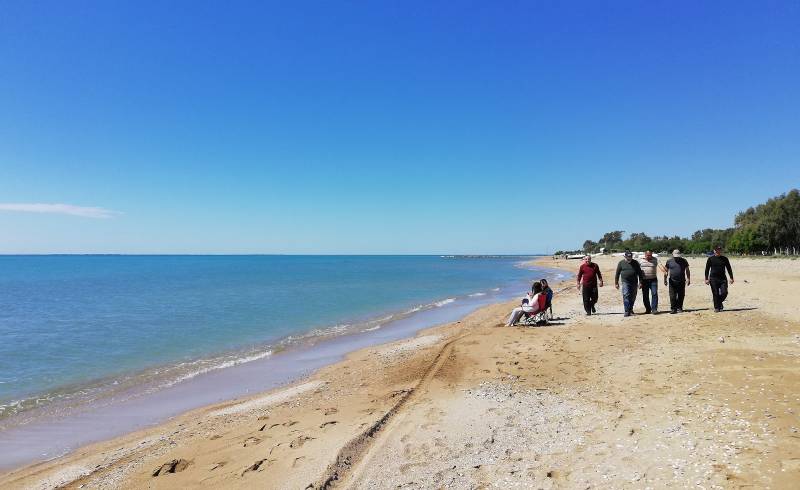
(546, 290)
(530, 305)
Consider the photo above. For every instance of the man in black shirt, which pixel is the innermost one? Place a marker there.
(716, 266)
(677, 270)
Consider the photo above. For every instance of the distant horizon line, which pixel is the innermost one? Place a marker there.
(478, 255)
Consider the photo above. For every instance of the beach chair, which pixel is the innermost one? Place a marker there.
(538, 318)
(549, 305)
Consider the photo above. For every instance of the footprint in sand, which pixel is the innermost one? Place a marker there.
(276, 446)
(331, 411)
(325, 424)
(174, 466)
(252, 441)
(300, 441)
(218, 465)
(555, 474)
(255, 466)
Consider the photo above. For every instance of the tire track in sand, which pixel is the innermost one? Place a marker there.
(357, 450)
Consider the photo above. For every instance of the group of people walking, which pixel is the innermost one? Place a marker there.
(632, 275)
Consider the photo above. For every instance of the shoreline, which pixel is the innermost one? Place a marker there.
(424, 339)
(23, 443)
(655, 401)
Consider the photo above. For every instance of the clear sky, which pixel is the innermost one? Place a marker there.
(388, 127)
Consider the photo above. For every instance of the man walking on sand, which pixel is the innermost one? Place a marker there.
(716, 265)
(650, 282)
(631, 273)
(588, 277)
(677, 270)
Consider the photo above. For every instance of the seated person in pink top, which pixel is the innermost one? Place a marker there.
(530, 305)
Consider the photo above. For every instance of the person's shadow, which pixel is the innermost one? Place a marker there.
(550, 323)
(746, 308)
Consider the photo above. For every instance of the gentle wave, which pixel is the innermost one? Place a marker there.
(214, 367)
(166, 376)
(148, 380)
(317, 333)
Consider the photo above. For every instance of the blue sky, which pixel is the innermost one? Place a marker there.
(388, 127)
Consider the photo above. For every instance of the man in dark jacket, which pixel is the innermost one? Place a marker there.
(716, 265)
(632, 277)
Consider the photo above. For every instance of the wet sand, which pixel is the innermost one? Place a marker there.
(698, 398)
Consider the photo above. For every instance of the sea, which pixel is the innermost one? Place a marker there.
(92, 346)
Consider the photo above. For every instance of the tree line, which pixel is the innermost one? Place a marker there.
(769, 228)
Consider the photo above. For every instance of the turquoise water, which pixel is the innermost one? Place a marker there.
(75, 328)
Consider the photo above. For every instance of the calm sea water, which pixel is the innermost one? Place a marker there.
(76, 328)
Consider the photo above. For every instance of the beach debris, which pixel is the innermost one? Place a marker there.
(693, 389)
(722, 340)
(174, 466)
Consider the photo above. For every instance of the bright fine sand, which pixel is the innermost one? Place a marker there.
(699, 399)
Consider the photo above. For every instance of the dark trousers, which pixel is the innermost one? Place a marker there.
(677, 290)
(589, 297)
(650, 287)
(719, 291)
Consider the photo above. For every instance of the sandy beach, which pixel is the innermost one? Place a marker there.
(700, 399)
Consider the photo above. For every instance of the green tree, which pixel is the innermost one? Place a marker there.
(638, 241)
(611, 239)
(773, 224)
(746, 239)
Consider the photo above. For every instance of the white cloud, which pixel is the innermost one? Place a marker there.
(84, 211)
